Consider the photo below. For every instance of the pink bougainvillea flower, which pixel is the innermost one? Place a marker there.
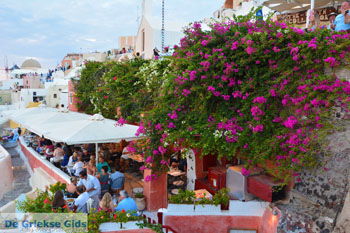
(162, 150)
(171, 125)
(211, 88)
(272, 92)
(276, 49)
(155, 152)
(158, 126)
(234, 45)
(105, 97)
(163, 162)
(204, 42)
(186, 92)
(149, 159)
(258, 128)
(245, 172)
(260, 100)
(290, 122)
(331, 60)
(114, 78)
(250, 50)
(140, 130)
(256, 111)
(121, 121)
(295, 160)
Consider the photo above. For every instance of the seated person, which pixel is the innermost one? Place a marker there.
(48, 149)
(91, 166)
(117, 181)
(101, 164)
(9, 137)
(125, 202)
(124, 158)
(78, 166)
(71, 190)
(65, 160)
(72, 159)
(80, 204)
(104, 180)
(58, 203)
(86, 155)
(106, 204)
(58, 154)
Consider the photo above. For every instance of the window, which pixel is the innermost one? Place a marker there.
(143, 40)
(55, 96)
(34, 92)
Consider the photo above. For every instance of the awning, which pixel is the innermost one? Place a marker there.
(290, 6)
(71, 127)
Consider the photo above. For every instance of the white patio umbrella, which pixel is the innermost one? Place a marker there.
(96, 130)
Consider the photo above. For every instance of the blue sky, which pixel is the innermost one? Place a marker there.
(49, 29)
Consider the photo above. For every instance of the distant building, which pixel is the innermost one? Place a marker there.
(57, 94)
(72, 100)
(32, 81)
(28, 96)
(95, 56)
(71, 60)
(29, 66)
(127, 42)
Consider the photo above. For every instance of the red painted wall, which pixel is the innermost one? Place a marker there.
(155, 191)
(269, 222)
(35, 162)
(72, 100)
(132, 231)
(212, 224)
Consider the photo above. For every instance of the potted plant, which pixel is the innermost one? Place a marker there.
(182, 202)
(222, 198)
(140, 201)
(205, 205)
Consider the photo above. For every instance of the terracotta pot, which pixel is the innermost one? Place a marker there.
(141, 203)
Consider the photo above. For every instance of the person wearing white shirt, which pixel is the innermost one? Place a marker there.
(78, 166)
(92, 185)
(80, 204)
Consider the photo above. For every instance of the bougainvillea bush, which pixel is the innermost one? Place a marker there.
(254, 90)
(121, 90)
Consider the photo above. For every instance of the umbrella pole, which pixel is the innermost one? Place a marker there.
(312, 4)
(96, 153)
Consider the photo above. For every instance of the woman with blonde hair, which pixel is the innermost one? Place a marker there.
(91, 166)
(106, 203)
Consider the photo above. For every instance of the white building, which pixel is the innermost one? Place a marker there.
(95, 56)
(149, 32)
(31, 95)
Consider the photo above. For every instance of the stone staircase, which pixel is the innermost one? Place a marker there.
(21, 178)
(318, 199)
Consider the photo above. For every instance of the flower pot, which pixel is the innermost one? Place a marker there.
(141, 203)
(176, 208)
(207, 208)
(225, 206)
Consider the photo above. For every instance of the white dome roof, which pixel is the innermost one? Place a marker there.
(30, 63)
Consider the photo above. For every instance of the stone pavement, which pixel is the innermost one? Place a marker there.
(21, 178)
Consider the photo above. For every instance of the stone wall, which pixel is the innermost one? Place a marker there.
(316, 202)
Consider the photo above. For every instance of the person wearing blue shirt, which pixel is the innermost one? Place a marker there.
(126, 203)
(342, 21)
